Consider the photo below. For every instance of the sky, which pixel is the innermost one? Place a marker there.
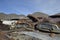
(30, 6)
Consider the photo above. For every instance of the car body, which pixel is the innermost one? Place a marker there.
(49, 27)
(24, 23)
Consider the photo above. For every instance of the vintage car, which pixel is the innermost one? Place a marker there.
(49, 27)
(22, 23)
(17, 23)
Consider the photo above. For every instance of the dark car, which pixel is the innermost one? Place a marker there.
(48, 27)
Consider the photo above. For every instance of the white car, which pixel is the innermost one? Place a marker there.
(48, 27)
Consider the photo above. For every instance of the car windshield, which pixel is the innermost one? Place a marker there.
(45, 25)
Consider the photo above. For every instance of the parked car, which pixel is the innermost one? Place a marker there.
(24, 23)
(48, 27)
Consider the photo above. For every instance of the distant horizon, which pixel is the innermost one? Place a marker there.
(24, 14)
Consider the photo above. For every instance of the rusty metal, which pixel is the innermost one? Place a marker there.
(33, 17)
(26, 21)
(38, 16)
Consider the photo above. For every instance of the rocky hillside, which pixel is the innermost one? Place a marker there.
(11, 16)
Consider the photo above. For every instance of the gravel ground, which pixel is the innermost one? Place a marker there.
(43, 36)
(39, 35)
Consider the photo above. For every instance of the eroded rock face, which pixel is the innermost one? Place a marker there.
(3, 36)
(20, 36)
(4, 27)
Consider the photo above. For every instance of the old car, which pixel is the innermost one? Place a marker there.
(21, 23)
(49, 27)
(24, 23)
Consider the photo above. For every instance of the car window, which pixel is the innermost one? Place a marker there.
(22, 25)
(45, 25)
(54, 27)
